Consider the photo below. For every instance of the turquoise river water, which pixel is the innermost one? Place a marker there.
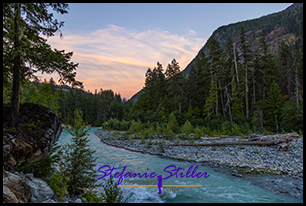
(218, 187)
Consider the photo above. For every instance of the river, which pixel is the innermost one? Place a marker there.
(218, 187)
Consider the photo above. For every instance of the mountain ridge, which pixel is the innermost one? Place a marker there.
(283, 25)
(253, 30)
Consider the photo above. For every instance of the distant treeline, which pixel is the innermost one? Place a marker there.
(64, 100)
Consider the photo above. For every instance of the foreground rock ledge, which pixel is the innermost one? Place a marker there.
(30, 141)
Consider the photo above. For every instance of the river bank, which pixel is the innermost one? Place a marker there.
(285, 168)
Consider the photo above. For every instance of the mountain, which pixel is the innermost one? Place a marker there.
(285, 25)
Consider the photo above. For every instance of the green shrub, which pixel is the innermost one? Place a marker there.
(161, 146)
(98, 122)
(215, 124)
(245, 129)
(58, 183)
(112, 193)
(149, 144)
(199, 132)
(91, 197)
(235, 129)
(125, 125)
(190, 139)
(187, 128)
(292, 116)
(159, 130)
(172, 124)
(198, 122)
(226, 127)
(135, 127)
(148, 132)
(207, 130)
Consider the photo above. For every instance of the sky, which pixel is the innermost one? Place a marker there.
(115, 43)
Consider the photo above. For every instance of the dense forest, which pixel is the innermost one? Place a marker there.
(64, 100)
(260, 89)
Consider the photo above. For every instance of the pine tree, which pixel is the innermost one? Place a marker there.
(77, 158)
(26, 52)
(172, 124)
(236, 101)
(154, 89)
(176, 82)
(246, 54)
(216, 64)
(274, 103)
(210, 102)
(202, 76)
(298, 68)
(112, 193)
(191, 88)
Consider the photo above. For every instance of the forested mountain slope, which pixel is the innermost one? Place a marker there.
(286, 25)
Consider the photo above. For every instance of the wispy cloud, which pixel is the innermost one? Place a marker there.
(117, 58)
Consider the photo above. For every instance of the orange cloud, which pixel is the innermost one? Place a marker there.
(117, 58)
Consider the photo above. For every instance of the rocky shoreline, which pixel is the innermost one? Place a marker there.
(253, 162)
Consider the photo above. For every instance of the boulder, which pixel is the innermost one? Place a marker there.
(15, 189)
(20, 188)
(40, 189)
(33, 138)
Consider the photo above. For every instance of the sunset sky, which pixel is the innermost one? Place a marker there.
(116, 43)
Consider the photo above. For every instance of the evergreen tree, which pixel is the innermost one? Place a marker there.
(176, 82)
(285, 61)
(298, 69)
(77, 158)
(202, 76)
(26, 52)
(154, 89)
(172, 124)
(46, 98)
(191, 88)
(236, 102)
(210, 102)
(267, 66)
(112, 193)
(216, 64)
(246, 54)
(273, 104)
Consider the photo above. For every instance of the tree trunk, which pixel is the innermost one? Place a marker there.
(16, 69)
(246, 92)
(222, 103)
(254, 90)
(276, 123)
(261, 119)
(296, 86)
(235, 63)
(216, 97)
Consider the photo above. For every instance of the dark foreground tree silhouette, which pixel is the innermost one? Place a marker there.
(25, 52)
